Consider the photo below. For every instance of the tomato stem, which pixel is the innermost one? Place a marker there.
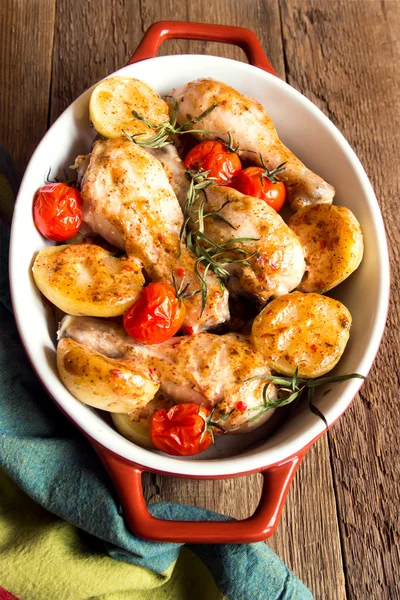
(271, 175)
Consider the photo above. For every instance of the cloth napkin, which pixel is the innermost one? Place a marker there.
(62, 530)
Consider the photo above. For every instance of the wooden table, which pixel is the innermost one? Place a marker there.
(340, 527)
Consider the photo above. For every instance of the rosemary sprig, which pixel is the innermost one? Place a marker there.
(210, 254)
(165, 130)
(292, 388)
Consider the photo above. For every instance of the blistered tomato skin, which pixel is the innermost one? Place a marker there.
(181, 431)
(215, 157)
(156, 316)
(248, 182)
(57, 211)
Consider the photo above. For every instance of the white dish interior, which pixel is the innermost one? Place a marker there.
(317, 142)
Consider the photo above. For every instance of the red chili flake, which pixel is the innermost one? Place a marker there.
(273, 266)
(314, 348)
(241, 406)
(270, 312)
(116, 373)
(127, 268)
(180, 272)
(189, 330)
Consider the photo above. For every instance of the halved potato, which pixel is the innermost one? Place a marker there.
(333, 243)
(86, 280)
(308, 331)
(114, 99)
(135, 426)
(114, 385)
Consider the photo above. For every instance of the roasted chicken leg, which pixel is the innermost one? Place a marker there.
(255, 133)
(205, 369)
(129, 202)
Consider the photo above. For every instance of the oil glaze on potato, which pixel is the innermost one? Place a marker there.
(135, 426)
(105, 383)
(114, 99)
(86, 280)
(333, 243)
(308, 331)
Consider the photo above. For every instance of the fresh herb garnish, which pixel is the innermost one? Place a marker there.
(167, 129)
(210, 254)
(292, 388)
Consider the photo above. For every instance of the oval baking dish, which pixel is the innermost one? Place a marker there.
(317, 142)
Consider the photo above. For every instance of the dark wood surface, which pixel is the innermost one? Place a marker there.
(340, 526)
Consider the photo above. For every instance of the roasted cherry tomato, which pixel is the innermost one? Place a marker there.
(248, 182)
(182, 430)
(156, 316)
(215, 157)
(57, 211)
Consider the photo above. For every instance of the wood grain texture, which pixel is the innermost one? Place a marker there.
(339, 530)
(355, 81)
(26, 45)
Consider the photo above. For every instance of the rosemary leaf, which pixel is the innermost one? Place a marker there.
(313, 408)
(322, 380)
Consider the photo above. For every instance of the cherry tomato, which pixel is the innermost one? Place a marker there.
(156, 316)
(57, 211)
(181, 430)
(248, 182)
(215, 157)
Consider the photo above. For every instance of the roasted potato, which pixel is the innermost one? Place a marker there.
(135, 426)
(307, 331)
(114, 99)
(86, 280)
(114, 385)
(333, 243)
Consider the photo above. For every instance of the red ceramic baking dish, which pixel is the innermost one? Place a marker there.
(310, 135)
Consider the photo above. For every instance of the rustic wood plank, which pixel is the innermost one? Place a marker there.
(91, 41)
(352, 51)
(26, 45)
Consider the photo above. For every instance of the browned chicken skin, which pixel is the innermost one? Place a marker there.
(129, 202)
(205, 369)
(277, 258)
(255, 133)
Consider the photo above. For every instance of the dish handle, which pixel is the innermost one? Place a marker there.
(127, 478)
(238, 36)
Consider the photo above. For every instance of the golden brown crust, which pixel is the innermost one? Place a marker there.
(304, 331)
(85, 279)
(333, 243)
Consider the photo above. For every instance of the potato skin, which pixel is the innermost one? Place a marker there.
(135, 426)
(308, 331)
(86, 280)
(113, 100)
(333, 243)
(106, 383)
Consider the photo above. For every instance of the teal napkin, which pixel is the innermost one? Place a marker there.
(56, 467)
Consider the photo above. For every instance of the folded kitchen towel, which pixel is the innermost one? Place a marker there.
(62, 531)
